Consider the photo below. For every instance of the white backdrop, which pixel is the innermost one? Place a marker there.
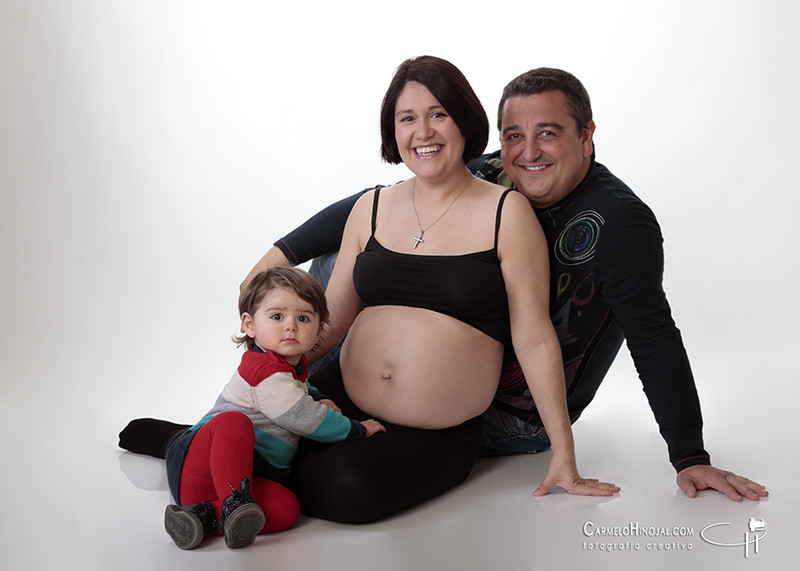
(151, 152)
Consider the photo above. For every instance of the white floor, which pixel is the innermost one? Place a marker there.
(73, 500)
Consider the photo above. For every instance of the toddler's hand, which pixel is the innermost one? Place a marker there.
(372, 427)
(330, 404)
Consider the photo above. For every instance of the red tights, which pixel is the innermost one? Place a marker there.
(222, 452)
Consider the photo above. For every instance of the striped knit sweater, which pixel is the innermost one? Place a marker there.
(276, 397)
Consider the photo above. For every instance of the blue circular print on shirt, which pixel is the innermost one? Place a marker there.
(578, 240)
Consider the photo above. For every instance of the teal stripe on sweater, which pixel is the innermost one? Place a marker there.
(334, 428)
(274, 450)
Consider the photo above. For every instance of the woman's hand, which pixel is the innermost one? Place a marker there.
(565, 475)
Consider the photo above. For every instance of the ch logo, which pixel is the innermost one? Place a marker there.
(756, 530)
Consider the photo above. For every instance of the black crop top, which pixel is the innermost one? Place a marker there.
(468, 287)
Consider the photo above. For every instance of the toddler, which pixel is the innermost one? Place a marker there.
(260, 416)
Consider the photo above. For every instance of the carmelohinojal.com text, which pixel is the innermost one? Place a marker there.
(636, 537)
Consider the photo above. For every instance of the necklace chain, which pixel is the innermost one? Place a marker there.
(418, 239)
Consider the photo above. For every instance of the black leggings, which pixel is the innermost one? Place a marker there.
(359, 481)
(355, 481)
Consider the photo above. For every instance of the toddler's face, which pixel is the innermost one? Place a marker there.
(283, 323)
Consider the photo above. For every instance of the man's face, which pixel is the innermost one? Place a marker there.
(544, 152)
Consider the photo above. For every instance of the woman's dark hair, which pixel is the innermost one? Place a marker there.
(292, 279)
(449, 86)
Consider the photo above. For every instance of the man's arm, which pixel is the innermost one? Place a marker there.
(273, 258)
(629, 267)
(631, 282)
(320, 234)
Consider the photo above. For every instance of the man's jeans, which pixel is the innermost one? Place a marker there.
(504, 434)
(321, 269)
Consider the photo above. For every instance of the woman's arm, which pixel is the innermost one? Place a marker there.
(524, 261)
(343, 301)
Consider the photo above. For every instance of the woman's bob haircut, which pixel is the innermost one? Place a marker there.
(449, 86)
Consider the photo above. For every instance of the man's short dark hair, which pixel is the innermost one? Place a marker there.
(544, 79)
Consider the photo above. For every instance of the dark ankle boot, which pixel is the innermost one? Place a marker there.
(188, 525)
(240, 517)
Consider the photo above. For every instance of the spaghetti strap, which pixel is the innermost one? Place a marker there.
(375, 209)
(499, 212)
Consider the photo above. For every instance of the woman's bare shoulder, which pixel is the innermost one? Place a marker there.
(487, 186)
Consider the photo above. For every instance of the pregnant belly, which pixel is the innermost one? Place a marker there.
(419, 368)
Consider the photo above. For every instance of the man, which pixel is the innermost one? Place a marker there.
(606, 263)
